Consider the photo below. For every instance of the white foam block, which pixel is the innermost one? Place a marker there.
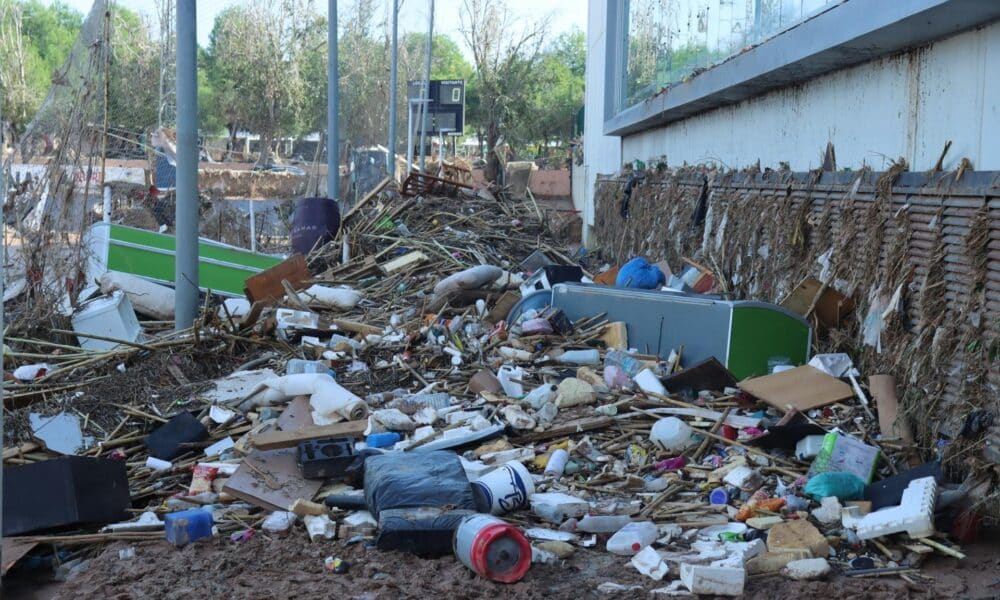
(914, 515)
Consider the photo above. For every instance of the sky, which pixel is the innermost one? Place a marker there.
(564, 14)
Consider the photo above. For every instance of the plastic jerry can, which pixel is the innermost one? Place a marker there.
(492, 548)
(187, 526)
(632, 538)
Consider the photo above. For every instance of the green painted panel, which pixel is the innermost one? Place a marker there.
(149, 254)
(205, 250)
(757, 334)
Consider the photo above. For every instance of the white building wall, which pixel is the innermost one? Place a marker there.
(601, 153)
(903, 106)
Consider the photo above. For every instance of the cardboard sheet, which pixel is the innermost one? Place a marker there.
(802, 388)
(271, 479)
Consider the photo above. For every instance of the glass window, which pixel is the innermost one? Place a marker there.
(669, 41)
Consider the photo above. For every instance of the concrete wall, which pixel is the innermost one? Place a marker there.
(907, 106)
(601, 153)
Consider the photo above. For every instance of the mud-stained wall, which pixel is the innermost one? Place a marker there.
(924, 251)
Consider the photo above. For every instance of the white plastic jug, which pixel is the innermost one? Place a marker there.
(671, 434)
(632, 538)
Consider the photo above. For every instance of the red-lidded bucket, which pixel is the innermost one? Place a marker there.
(492, 548)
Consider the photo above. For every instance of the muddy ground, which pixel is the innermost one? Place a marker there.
(292, 567)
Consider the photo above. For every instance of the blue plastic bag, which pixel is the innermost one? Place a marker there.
(638, 273)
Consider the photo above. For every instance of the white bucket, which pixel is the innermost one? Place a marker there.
(504, 489)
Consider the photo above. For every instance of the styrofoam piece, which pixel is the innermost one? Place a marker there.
(649, 563)
(220, 446)
(288, 318)
(717, 581)
(320, 527)
(914, 515)
(111, 317)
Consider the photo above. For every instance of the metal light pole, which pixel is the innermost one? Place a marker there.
(186, 261)
(393, 89)
(3, 289)
(426, 95)
(332, 106)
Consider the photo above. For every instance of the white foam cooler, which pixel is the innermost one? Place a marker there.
(109, 316)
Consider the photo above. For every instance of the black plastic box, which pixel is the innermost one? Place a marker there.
(64, 491)
(326, 459)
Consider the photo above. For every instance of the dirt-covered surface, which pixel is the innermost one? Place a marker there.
(292, 567)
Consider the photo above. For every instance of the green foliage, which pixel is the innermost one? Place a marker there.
(34, 42)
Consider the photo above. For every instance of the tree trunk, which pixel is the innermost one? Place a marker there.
(493, 167)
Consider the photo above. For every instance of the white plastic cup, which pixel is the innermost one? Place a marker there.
(671, 434)
(557, 463)
(505, 489)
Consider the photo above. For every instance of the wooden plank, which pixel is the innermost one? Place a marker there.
(273, 440)
(407, 260)
(266, 286)
(355, 327)
(567, 429)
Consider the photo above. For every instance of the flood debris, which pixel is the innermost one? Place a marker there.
(413, 386)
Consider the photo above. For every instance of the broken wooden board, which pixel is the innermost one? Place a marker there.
(266, 286)
(802, 388)
(271, 479)
(273, 440)
(403, 262)
(892, 426)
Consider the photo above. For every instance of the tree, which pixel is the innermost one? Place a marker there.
(34, 42)
(133, 98)
(505, 53)
(255, 51)
(571, 49)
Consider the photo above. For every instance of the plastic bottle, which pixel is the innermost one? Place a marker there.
(540, 395)
(632, 538)
(603, 523)
(580, 357)
(671, 434)
(556, 464)
(624, 361)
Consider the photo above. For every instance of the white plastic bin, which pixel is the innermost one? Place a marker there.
(109, 316)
